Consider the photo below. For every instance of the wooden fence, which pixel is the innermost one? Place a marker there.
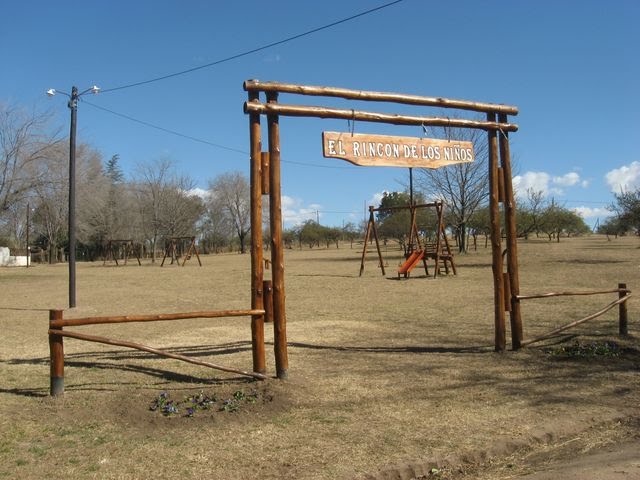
(57, 333)
(623, 295)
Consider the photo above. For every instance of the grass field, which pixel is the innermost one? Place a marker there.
(383, 372)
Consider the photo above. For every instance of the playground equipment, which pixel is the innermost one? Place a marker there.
(412, 260)
(115, 247)
(438, 250)
(172, 251)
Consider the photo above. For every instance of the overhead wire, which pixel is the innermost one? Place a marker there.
(166, 130)
(253, 50)
(200, 140)
(227, 59)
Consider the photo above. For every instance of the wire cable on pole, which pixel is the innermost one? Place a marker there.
(254, 50)
(206, 142)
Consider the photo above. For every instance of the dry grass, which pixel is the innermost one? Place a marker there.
(382, 371)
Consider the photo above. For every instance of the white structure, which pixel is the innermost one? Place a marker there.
(7, 260)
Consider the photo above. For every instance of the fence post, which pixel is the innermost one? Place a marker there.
(622, 309)
(267, 296)
(56, 352)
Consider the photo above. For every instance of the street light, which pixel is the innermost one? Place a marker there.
(73, 106)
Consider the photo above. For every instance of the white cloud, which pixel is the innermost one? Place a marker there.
(545, 183)
(624, 178)
(199, 192)
(588, 212)
(295, 213)
(567, 180)
(376, 198)
(536, 181)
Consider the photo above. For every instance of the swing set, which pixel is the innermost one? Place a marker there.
(416, 251)
(116, 247)
(172, 251)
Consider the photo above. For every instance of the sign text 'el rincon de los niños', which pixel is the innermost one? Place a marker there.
(390, 151)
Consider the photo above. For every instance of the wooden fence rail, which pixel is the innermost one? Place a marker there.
(74, 322)
(56, 335)
(623, 296)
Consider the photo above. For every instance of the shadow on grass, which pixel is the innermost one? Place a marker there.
(396, 349)
(116, 360)
(26, 392)
(26, 309)
(588, 261)
(323, 275)
(543, 375)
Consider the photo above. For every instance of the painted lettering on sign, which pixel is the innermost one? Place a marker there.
(390, 151)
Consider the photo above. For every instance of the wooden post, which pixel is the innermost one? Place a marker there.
(366, 239)
(257, 263)
(622, 310)
(507, 291)
(375, 236)
(446, 240)
(515, 315)
(265, 172)
(496, 247)
(267, 295)
(501, 198)
(56, 356)
(440, 231)
(277, 249)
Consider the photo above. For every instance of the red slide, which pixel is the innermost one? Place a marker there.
(410, 262)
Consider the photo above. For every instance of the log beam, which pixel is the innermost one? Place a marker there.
(376, 117)
(258, 86)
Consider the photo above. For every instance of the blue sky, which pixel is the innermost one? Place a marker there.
(571, 67)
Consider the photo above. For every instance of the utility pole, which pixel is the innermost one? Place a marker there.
(73, 106)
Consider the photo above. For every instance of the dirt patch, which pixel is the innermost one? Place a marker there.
(600, 450)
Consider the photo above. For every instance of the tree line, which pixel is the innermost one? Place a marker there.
(156, 202)
(153, 204)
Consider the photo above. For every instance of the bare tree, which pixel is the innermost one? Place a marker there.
(165, 205)
(93, 190)
(531, 212)
(464, 187)
(51, 210)
(51, 196)
(217, 230)
(230, 191)
(182, 210)
(23, 145)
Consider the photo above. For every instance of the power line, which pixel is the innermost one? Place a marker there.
(335, 211)
(200, 140)
(166, 130)
(587, 201)
(254, 50)
(316, 165)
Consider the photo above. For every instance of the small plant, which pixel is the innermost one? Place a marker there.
(164, 405)
(233, 404)
(587, 350)
(191, 404)
(198, 402)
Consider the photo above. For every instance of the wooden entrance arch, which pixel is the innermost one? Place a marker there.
(506, 283)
